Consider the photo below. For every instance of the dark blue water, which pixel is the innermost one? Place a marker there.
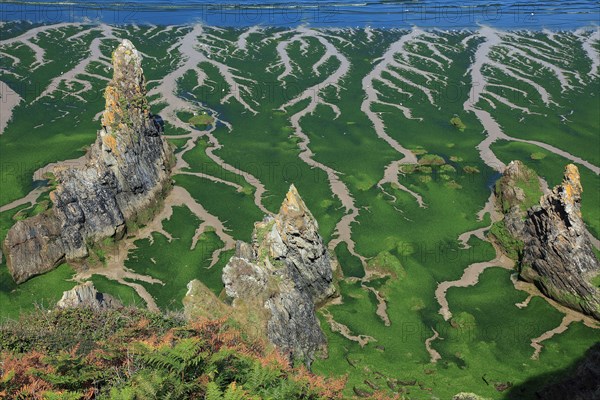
(447, 14)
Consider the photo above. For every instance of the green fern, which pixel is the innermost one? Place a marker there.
(235, 392)
(154, 384)
(189, 363)
(186, 358)
(213, 392)
(72, 372)
(62, 396)
(261, 378)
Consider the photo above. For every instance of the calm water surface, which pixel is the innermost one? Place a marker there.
(447, 14)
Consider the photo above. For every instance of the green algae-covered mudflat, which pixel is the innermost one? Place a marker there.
(360, 121)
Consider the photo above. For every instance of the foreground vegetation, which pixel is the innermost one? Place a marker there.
(133, 354)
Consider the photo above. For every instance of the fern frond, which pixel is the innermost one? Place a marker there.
(213, 392)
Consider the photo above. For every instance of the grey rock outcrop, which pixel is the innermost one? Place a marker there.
(555, 252)
(86, 295)
(281, 276)
(558, 255)
(124, 180)
(512, 197)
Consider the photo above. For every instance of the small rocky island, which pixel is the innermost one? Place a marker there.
(126, 176)
(282, 276)
(550, 238)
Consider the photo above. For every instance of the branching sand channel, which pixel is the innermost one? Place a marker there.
(194, 53)
(9, 99)
(343, 230)
(115, 261)
(390, 70)
(486, 58)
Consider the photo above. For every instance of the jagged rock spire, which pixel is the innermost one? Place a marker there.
(285, 272)
(551, 245)
(570, 191)
(126, 174)
(293, 203)
(558, 255)
(126, 111)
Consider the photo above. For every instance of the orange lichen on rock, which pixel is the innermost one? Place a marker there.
(112, 104)
(293, 200)
(293, 209)
(111, 142)
(572, 184)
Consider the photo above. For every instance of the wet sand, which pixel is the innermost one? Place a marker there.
(525, 302)
(9, 99)
(536, 342)
(31, 197)
(343, 230)
(242, 42)
(385, 64)
(381, 305)
(480, 82)
(488, 208)
(391, 175)
(72, 76)
(180, 196)
(237, 187)
(389, 64)
(469, 277)
(26, 37)
(590, 50)
(471, 274)
(570, 316)
(188, 46)
(435, 356)
(343, 330)
(115, 261)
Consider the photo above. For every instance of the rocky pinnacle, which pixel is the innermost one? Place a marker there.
(558, 255)
(281, 276)
(125, 177)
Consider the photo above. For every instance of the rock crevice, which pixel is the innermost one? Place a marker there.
(125, 177)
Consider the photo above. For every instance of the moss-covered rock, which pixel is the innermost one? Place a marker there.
(509, 245)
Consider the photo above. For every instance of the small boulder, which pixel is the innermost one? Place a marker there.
(86, 295)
